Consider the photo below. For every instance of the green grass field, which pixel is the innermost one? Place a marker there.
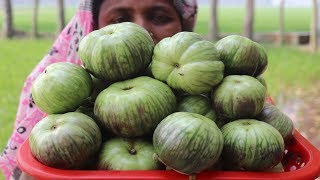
(46, 20)
(230, 20)
(18, 58)
(288, 68)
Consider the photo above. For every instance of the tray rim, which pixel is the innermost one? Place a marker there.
(310, 170)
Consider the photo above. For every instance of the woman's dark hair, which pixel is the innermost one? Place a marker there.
(95, 9)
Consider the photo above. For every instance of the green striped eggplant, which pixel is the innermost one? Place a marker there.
(188, 142)
(238, 97)
(134, 107)
(276, 118)
(65, 141)
(188, 63)
(98, 86)
(251, 145)
(242, 56)
(87, 111)
(199, 104)
(62, 87)
(117, 52)
(128, 154)
(263, 81)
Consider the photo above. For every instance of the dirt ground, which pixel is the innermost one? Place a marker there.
(303, 107)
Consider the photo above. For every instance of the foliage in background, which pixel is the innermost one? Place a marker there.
(230, 20)
(47, 19)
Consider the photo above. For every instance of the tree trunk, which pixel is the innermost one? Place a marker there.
(61, 19)
(318, 21)
(314, 27)
(213, 27)
(7, 26)
(248, 21)
(281, 22)
(35, 18)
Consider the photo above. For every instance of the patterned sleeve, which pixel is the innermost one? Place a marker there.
(64, 49)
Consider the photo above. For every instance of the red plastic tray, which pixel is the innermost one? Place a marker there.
(301, 162)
